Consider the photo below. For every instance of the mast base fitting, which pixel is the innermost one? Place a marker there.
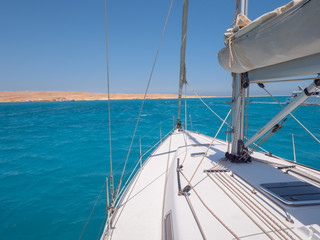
(178, 125)
(244, 158)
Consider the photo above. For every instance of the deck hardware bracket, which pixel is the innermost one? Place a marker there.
(179, 167)
(216, 170)
(286, 167)
(243, 158)
(288, 218)
(231, 131)
(245, 80)
(302, 175)
(178, 125)
(269, 154)
(186, 189)
(307, 92)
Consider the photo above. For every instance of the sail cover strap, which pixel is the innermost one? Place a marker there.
(183, 53)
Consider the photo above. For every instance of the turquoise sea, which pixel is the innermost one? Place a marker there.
(54, 156)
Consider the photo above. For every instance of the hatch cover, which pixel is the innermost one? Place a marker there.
(293, 193)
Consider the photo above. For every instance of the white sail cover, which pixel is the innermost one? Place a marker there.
(275, 38)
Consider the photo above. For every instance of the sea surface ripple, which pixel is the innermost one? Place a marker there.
(54, 156)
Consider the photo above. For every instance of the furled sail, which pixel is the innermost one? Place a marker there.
(285, 34)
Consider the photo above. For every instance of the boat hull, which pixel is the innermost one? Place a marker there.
(224, 200)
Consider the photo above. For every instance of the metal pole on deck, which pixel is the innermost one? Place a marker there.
(238, 104)
(107, 192)
(140, 156)
(108, 204)
(174, 120)
(182, 79)
(294, 149)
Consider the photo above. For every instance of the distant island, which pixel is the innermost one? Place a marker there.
(41, 96)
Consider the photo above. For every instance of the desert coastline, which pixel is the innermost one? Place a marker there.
(42, 96)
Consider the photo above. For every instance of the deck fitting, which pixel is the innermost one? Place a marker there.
(286, 167)
(216, 170)
(186, 189)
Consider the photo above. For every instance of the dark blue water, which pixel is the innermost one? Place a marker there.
(54, 156)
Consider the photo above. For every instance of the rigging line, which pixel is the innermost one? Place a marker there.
(102, 223)
(228, 124)
(293, 117)
(125, 185)
(204, 155)
(236, 194)
(250, 205)
(151, 146)
(165, 186)
(239, 206)
(305, 175)
(195, 216)
(279, 145)
(255, 198)
(136, 164)
(92, 211)
(144, 98)
(155, 144)
(182, 75)
(284, 80)
(185, 138)
(262, 140)
(296, 135)
(144, 153)
(109, 112)
(212, 213)
(185, 107)
(247, 112)
(125, 156)
(155, 127)
(194, 91)
(265, 211)
(237, 6)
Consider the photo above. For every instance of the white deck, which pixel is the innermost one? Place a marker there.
(221, 205)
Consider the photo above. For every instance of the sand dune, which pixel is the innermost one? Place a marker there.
(22, 96)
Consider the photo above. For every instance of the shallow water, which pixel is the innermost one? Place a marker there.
(54, 156)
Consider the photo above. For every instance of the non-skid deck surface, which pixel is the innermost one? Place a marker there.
(223, 203)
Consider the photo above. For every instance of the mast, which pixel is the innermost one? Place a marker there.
(182, 80)
(238, 104)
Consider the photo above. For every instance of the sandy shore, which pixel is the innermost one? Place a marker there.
(23, 96)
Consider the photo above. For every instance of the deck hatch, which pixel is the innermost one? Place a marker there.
(293, 193)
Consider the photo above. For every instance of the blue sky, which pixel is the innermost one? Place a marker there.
(60, 45)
